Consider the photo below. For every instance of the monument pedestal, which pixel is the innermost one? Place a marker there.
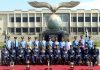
(53, 33)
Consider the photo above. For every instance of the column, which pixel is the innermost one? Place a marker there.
(14, 23)
(21, 25)
(28, 24)
(77, 24)
(14, 30)
(35, 23)
(91, 24)
(84, 23)
(98, 24)
(42, 23)
(70, 24)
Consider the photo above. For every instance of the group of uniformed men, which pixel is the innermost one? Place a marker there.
(77, 51)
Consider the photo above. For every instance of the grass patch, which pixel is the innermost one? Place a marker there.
(1, 44)
(97, 43)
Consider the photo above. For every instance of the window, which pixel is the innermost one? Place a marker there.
(80, 29)
(18, 19)
(32, 29)
(31, 19)
(80, 19)
(12, 30)
(89, 29)
(25, 29)
(94, 29)
(87, 19)
(18, 29)
(74, 19)
(38, 19)
(12, 19)
(94, 19)
(74, 29)
(37, 29)
(25, 19)
(65, 17)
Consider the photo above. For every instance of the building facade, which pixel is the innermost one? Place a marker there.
(34, 22)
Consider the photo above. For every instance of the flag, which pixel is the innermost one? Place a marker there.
(87, 32)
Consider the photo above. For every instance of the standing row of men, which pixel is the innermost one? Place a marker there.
(83, 42)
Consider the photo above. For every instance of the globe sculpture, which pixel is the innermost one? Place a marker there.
(54, 22)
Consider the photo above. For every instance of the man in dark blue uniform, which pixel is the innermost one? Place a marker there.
(95, 55)
(42, 55)
(78, 55)
(35, 51)
(49, 50)
(20, 55)
(56, 51)
(86, 56)
(28, 53)
(71, 54)
(5, 56)
(64, 55)
(62, 45)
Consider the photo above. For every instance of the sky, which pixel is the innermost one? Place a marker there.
(10, 5)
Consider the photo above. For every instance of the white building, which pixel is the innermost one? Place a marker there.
(34, 22)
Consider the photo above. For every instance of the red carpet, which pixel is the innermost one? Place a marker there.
(43, 67)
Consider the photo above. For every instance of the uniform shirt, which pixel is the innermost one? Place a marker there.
(68, 45)
(30, 43)
(90, 43)
(15, 43)
(36, 43)
(8, 44)
(51, 43)
(75, 43)
(56, 43)
(23, 44)
(43, 43)
(62, 44)
(83, 42)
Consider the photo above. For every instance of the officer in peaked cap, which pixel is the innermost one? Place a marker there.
(8, 43)
(15, 43)
(90, 43)
(22, 37)
(23, 43)
(30, 43)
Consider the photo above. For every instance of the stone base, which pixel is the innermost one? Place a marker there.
(53, 33)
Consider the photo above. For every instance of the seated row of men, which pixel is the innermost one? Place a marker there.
(55, 55)
(82, 42)
(41, 51)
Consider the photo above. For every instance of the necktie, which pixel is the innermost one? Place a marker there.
(15, 43)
